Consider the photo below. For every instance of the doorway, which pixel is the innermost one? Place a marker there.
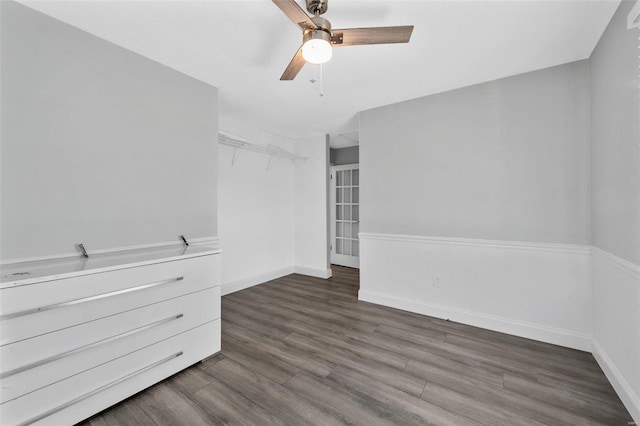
(345, 215)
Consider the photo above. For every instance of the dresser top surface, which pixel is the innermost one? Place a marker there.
(25, 273)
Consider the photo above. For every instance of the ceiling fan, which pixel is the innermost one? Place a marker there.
(318, 38)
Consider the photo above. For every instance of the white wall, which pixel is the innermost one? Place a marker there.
(615, 139)
(99, 145)
(616, 207)
(348, 155)
(311, 206)
(505, 160)
(504, 166)
(534, 290)
(272, 222)
(255, 210)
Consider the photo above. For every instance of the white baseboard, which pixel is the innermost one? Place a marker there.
(313, 272)
(238, 285)
(629, 398)
(504, 325)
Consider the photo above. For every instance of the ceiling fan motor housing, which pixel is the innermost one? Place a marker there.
(315, 35)
(321, 24)
(317, 6)
(322, 30)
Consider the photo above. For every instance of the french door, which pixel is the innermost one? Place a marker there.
(345, 215)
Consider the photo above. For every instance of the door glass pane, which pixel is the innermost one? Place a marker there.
(339, 212)
(347, 230)
(339, 178)
(356, 213)
(355, 177)
(347, 177)
(339, 229)
(354, 230)
(347, 212)
(355, 248)
(339, 246)
(355, 195)
(347, 195)
(346, 247)
(339, 195)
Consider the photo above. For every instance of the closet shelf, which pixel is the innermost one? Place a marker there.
(269, 150)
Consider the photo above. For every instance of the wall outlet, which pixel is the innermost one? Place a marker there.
(437, 280)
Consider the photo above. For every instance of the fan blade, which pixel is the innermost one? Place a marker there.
(377, 35)
(295, 13)
(294, 67)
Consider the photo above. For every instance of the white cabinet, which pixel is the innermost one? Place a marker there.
(82, 338)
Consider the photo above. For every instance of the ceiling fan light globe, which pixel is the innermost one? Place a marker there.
(317, 51)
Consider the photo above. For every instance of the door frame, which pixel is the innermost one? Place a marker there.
(354, 261)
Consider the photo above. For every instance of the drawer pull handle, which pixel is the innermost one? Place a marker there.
(88, 299)
(98, 390)
(89, 346)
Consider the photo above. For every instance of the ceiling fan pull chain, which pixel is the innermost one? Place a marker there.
(321, 83)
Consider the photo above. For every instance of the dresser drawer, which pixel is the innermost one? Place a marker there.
(33, 363)
(80, 396)
(36, 309)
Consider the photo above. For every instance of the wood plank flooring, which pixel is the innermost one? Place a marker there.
(300, 350)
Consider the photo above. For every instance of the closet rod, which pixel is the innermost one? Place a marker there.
(270, 150)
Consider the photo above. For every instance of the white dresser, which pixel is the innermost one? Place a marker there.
(77, 336)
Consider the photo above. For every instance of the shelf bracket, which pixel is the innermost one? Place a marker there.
(83, 251)
(235, 156)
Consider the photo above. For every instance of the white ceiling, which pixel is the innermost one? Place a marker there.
(242, 47)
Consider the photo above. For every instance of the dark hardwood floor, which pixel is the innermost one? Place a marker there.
(300, 350)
